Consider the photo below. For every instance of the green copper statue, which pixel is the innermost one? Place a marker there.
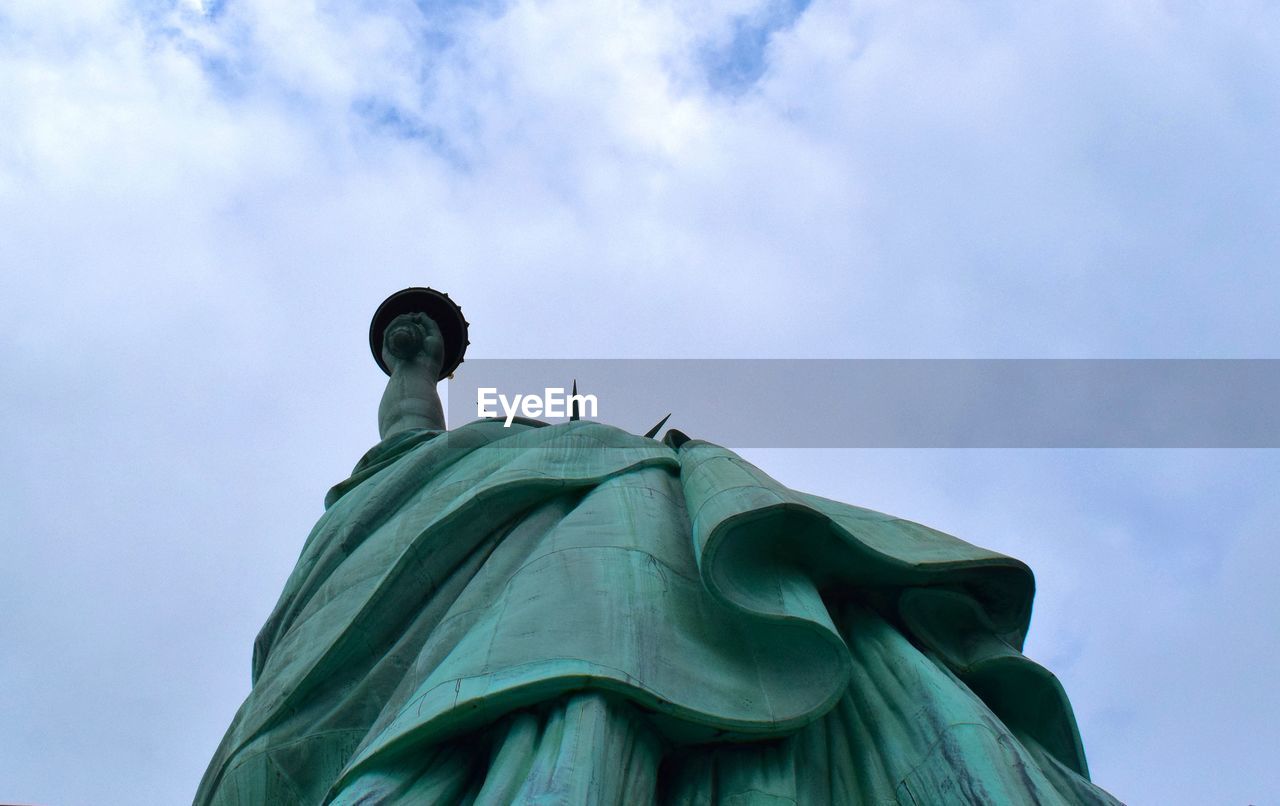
(573, 614)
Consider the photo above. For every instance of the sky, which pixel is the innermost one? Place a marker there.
(201, 204)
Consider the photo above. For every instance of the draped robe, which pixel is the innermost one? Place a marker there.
(572, 614)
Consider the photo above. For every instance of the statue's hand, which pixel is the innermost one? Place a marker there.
(413, 338)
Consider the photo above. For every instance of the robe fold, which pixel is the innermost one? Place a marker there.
(572, 614)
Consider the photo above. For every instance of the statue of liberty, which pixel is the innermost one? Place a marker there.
(573, 614)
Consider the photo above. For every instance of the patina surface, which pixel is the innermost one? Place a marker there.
(573, 614)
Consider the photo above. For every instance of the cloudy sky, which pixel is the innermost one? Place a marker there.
(201, 204)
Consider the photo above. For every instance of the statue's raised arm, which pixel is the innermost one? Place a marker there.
(418, 336)
(413, 348)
